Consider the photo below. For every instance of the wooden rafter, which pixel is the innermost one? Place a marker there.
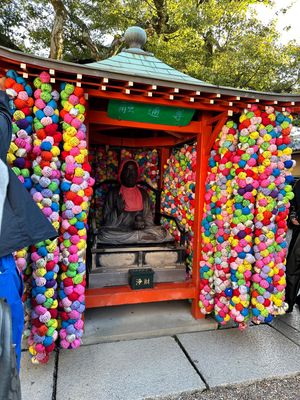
(217, 129)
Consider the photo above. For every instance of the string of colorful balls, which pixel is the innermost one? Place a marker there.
(258, 191)
(46, 193)
(223, 211)
(178, 196)
(76, 187)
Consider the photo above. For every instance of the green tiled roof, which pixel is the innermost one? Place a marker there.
(137, 62)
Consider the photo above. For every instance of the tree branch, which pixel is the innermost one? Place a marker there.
(57, 33)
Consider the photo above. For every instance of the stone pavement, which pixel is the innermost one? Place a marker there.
(144, 360)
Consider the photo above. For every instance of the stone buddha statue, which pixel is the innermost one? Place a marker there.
(128, 218)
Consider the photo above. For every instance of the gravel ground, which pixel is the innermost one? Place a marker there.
(283, 389)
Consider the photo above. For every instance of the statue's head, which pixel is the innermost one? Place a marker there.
(129, 173)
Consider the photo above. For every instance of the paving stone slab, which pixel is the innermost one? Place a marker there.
(292, 319)
(139, 321)
(132, 370)
(36, 380)
(227, 357)
(287, 330)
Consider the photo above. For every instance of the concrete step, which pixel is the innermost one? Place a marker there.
(139, 321)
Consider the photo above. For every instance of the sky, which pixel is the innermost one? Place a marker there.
(292, 18)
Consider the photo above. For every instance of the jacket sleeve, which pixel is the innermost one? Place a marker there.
(3, 187)
(5, 125)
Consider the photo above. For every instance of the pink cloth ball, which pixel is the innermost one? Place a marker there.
(45, 77)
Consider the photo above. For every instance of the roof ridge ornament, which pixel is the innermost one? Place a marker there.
(135, 38)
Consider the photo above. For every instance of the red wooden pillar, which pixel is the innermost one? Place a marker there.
(201, 173)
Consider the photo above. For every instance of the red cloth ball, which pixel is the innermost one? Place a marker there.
(50, 348)
(73, 296)
(46, 155)
(53, 312)
(42, 330)
(9, 82)
(68, 282)
(78, 91)
(18, 87)
(19, 103)
(72, 230)
(50, 265)
(51, 129)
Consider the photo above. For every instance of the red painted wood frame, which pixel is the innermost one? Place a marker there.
(118, 295)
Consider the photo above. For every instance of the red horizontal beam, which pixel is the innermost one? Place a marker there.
(101, 117)
(117, 295)
(97, 138)
(155, 100)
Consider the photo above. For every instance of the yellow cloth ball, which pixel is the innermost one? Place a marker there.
(68, 106)
(56, 225)
(67, 147)
(10, 158)
(79, 172)
(71, 131)
(79, 159)
(63, 276)
(81, 117)
(74, 142)
(13, 147)
(81, 232)
(41, 271)
(85, 205)
(32, 350)
(54, 304)
(18, 114)
(49, 293)
(81, 244)
(22, 253)
(254, 135)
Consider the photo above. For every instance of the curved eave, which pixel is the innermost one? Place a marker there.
(90, 76)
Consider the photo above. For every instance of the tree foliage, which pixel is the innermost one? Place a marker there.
(218, 41)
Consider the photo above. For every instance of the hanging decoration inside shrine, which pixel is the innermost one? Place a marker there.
(178, 196)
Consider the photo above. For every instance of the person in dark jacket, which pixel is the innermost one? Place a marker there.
(294, 217)
(293, 258)
(3, 187)
(23, 224)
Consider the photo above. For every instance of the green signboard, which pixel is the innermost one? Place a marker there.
(151, 113)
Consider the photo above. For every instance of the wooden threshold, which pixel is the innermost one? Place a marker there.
(118, 295)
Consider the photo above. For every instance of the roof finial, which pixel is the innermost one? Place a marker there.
(135, 37)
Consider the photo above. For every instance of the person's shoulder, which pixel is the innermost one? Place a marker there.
(4, 99)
